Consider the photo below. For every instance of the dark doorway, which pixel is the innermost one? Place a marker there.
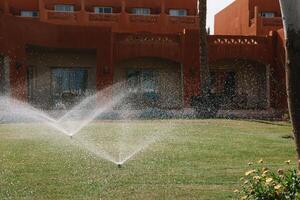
(68, 86)
(230, 85)
(30, 83)
(143, 86)
(2, 74)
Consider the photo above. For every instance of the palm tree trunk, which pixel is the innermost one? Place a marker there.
(291, 19)
(204, 69)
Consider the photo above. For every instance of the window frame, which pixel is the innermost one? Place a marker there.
(268, 14)
(178, 12)
(97, 9)
(143, 13)
(29, 13)
(56, 6)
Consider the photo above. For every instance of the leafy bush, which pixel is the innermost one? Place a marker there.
(263, 184)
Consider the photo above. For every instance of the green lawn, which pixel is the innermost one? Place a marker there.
(195, 159)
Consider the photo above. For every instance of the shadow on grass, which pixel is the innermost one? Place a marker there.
(287, 124)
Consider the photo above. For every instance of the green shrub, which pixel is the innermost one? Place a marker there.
(264, 184)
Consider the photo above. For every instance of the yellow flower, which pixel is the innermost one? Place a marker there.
(265, 169)
(265, 172)
(261, 161)
(256, 177)
(250, 163)
(269, 180)
(250, 172)
(236, 191)
(288, 162)
(244, 198)
(278, 187)
(280, 171)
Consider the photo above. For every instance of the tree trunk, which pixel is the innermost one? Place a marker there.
(291, 18)
(204, 69)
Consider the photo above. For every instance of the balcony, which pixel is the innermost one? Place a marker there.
(146, 19)
(187, 20)
(111, 18)
(68, 17)
(274, 21)
(119, 22)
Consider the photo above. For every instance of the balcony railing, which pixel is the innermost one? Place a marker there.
(266, 21)
(183, 20)
(123, 21)
(66, 16)
(237, 40)
(274, 21)
(94, 17)
(151, 19)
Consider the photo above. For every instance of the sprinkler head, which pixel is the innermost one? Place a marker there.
(71, 137)
(119, 166)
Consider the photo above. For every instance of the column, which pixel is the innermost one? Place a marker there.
(268, 85)
(42, 10)
(83, 19)
(123, 6)
(163, 7)
(6, 7)
(6, 75)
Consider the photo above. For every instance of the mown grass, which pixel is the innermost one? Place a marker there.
(196, 159)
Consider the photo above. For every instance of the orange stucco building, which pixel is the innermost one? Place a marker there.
(59, 50)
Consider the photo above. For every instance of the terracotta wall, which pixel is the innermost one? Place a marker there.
(236, 18)
(19, 33)
(113, 47)
(191, 5)
(242, 18)
(121, 20)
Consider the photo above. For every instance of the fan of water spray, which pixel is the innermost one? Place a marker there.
(89, 109)
(126, 142)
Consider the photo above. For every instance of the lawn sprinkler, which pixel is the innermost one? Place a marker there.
(119, 165)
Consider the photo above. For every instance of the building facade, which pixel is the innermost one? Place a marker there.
(62, 50)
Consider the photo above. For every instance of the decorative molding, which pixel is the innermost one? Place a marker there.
(236, 41)
(141, 38)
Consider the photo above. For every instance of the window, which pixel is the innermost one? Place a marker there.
(29, 14)
(223, 83)
(178, 12)
(143, 84)
(141, 11)
(142, 81)
(64, 8)
(68, 85)
(103, 10)
(268, 14)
